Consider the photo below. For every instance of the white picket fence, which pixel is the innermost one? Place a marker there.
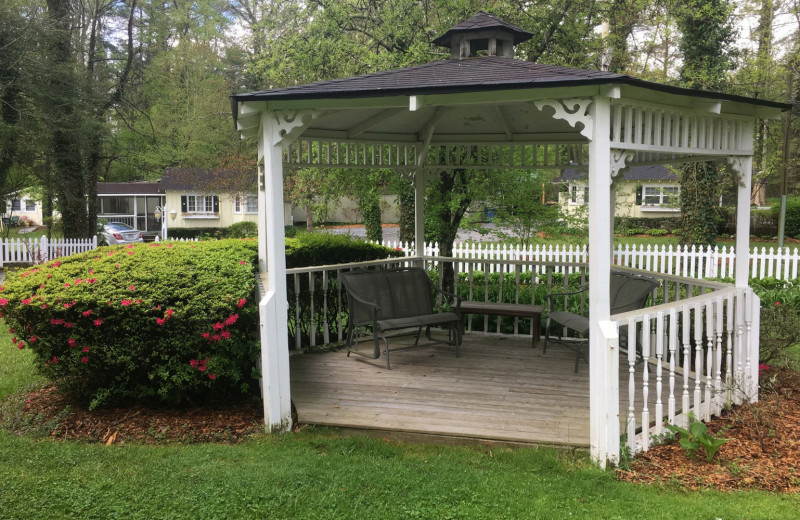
(689, 261)
(38, 250)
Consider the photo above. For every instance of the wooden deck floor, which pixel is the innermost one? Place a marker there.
(500, 389)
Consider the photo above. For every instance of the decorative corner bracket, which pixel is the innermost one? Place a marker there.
(290, 124)
(573, 111)
(619, 163)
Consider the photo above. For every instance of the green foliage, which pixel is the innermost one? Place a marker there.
(707, 35)
(656, 232)
(246, 229)
(187, 110)
(309, 249)
(141, 323)
(696, 436)
(780, 319)
(371, 211)
(518, 204)
(622, 224)
(792, 222)
(700, 184)
(633, 231)
(197, 232)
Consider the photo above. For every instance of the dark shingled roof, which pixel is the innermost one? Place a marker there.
(483, 22)
(634, 173)
(129, 188)
(470, 75)
(202, 179)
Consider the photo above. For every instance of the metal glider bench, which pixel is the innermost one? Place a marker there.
(379, 301)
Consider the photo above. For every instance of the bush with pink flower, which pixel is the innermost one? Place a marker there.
(147, 323)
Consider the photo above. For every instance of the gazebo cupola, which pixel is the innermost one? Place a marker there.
(482, 32)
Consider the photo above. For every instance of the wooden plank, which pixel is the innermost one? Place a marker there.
(498, 390)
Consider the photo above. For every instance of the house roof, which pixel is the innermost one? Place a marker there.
(129, 188)
(207, 179)
(483, 21)
(635, 173)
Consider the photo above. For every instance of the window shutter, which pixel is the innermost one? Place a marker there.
(216, 203)
(638, 195)
(184, 209)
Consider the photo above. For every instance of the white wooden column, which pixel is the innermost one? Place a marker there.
(419, 203)
(604, 421)
(273, 307)
(743, 168)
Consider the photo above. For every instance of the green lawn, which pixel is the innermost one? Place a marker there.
(321, 474)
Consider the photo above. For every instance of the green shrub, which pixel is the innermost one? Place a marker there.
(792, 223)
(621, 224)
(146, 323)
(634, 231)
(246, 229)
(197, 232)
(309, 249)
(656, 232)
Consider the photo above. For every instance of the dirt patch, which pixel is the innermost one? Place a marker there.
(762, 452)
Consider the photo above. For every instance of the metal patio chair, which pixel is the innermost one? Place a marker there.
(627, 292)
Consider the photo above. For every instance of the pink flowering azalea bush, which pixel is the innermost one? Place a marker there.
(147, 323)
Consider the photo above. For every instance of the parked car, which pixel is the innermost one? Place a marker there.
(119, 233)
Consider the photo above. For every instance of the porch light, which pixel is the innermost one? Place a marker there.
(173, 214)
(157, 214)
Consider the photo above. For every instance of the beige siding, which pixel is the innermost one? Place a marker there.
(34, 216)
(224, 218)
(625, 203)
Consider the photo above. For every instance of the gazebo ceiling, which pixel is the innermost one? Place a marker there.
(493, 122)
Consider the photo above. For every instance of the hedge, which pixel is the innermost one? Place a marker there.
(145, 323)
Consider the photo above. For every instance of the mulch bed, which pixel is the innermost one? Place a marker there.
(46, 407)
(762, 452)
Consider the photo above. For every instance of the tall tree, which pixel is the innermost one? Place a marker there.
(83, 79)
(707, 35)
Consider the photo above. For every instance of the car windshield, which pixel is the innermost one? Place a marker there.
(118, 226)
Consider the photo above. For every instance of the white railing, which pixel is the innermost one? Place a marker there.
(688, 261)
(697, 355)
(695, 352)
(38, 250)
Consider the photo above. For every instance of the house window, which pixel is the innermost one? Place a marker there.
(250, 203)
(578, 194)
(199, 203)
(16, 205)
(660, 195)
(30, 205)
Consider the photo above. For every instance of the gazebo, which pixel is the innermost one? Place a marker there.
(483, 109)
